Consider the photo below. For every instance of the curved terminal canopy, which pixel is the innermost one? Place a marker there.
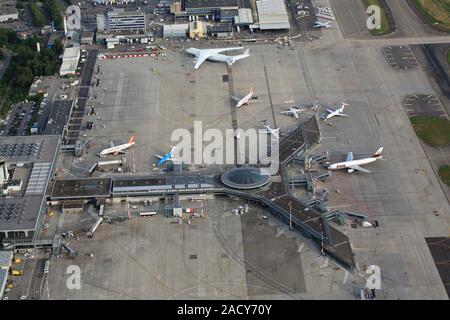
(245, 178)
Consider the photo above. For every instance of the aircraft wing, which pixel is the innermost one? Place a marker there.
(219, 50)
(342, 115)
(359, 169)
(236, 99)
(158, 156)
(203, 55)
(350, 156)
(330, 111)
(285, 112)
(206, 53)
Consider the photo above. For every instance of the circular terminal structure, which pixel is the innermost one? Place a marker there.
(245, 178)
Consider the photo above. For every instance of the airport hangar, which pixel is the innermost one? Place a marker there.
(242, 182)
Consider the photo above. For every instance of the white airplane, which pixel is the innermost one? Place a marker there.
(215, 55)
(352, 165)
(293, 111)
(319, 24)
(244, 100)
(269, 130)
(115, 150)
(337, 112)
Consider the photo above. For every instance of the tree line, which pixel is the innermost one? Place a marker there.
(26, 63)
(52, 9)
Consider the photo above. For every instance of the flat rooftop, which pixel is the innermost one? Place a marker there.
(5, 259)
(36, 155)
(81, 188)
(272, 14)
(37, 149)
(121, 13)
(19, 213)
(7, 10)
(194, 4)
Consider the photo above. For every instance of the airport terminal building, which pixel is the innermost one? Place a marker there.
(27, 165)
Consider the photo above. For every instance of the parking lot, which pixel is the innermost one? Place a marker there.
(400, 57)
(425, 105)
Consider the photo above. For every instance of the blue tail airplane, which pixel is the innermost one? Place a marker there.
(166, 157)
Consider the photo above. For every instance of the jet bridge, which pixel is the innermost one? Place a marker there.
(72, 252)
(340, 216)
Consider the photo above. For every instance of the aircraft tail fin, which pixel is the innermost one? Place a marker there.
(132, 139)
(377, 154)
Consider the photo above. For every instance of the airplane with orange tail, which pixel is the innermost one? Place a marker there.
(115, 150)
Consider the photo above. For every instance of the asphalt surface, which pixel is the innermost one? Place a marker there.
(424, 105)
(400, 58)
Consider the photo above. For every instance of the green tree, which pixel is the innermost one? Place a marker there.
(8, 37)
(24, 77)
(38, 17)
(58, 47)
(54, 11)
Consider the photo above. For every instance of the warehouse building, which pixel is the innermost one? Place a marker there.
(209, 9)
(69, 64)
(228, 15)
(32, 160)
(175, 30)
(8, 12)
(244, 17)
(197, 29)
(221, 30)
(272, 15)
(87, 37)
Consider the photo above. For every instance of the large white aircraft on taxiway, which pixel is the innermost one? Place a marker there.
(352, 165)
(215, 55)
